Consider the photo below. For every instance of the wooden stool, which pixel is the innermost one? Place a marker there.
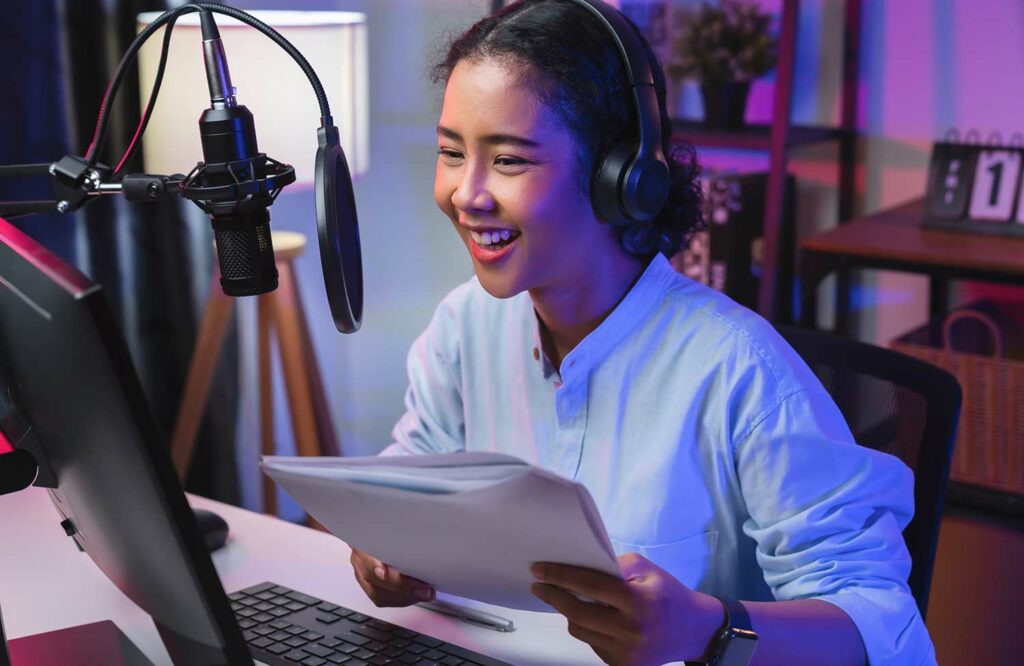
(280, 310)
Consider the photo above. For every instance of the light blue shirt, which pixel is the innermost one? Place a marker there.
(708, 446)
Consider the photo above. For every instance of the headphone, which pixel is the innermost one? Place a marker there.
(633, 181)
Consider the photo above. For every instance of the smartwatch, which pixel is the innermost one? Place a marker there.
(735, 641)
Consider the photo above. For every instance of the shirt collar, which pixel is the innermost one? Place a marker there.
(631, 310)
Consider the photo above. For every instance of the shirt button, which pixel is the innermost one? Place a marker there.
(536, 354)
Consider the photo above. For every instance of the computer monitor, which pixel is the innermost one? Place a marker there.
(65, 372)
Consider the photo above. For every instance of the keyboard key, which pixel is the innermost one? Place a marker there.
(279, 612)
(280, 624)
(416, 648)
(246, 612)
(358, 618)
(318, 650)
(380, 660)
(408, 658)
(249, 635)
(303, 598)
(428, 641)
(249, 601)
(256, 589)
(236, 596)
(348, 648)
(355, 639)
(261, 642)
(375, 634)
(296, 641)
(263, 617)
(264, 630)
(362, 653)
(280, 635)
(327, 618)
(296, 629)
(356, 662)
(434, 654)
(312, 636)
(280, 589)
(328, 607)
(375, 646)
(295, 605)
(246, 623)
(452, 661)
(405, 633)
(338, 658)
(264, 606)
(313, 661)
(265, 595)
(381, 625)
(331, 642)
(296, 655)
(277, 648)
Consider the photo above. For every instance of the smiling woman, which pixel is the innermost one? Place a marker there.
(721, 468)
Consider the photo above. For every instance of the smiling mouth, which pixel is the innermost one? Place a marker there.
(494, 240)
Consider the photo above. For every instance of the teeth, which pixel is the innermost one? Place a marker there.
(492, 237)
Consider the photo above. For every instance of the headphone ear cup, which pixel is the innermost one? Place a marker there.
(606, 195)
(645, 189)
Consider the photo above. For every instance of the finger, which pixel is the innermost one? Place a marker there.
(389, 578)
(588, 582)
(382, 597)
(595, 639)
(596, 617)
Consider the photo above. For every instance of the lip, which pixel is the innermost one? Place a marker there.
(485, 256)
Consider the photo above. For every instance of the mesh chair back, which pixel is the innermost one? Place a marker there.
(902, 406)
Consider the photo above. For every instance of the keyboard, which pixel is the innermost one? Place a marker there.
(283, 628)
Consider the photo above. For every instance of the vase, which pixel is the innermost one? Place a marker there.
(725, 103)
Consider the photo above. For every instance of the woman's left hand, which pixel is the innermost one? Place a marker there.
(648, 618)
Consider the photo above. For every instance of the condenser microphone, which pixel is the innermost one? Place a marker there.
(236, 183)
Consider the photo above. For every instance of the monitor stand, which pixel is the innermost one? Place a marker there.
(84, 645)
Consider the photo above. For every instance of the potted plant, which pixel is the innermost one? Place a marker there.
(725, 46)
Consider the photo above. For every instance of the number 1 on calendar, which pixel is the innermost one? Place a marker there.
(995, 185)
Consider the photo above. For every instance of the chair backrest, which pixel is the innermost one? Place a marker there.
(900, 405)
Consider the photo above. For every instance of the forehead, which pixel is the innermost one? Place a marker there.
(488, 96)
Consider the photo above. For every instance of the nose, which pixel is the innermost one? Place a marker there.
(472, 193)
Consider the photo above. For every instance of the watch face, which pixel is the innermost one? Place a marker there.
(739, 649)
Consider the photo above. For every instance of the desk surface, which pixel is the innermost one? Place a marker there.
(895, 235)
(46, 584)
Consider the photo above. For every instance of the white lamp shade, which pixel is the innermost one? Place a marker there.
(267, 81)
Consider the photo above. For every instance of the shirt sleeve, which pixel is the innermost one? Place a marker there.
(434, 420)
(827, 515)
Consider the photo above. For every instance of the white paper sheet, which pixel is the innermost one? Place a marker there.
(468, 524)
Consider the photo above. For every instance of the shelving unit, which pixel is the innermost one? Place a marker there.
(779, 137)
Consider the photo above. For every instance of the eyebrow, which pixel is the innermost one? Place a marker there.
(492, 139)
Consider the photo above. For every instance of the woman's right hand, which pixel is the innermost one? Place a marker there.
(384, 585)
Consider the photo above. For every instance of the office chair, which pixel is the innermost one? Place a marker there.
(902, 406)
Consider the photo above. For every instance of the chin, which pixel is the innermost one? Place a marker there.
(497, 286)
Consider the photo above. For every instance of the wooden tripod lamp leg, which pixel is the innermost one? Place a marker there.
(200, 376)
(293, 361)
(264, 309)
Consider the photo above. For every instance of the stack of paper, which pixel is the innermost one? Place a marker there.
(470, 524)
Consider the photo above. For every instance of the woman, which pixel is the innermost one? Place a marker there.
(719, 464)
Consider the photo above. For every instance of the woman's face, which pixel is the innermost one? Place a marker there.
(508, 178)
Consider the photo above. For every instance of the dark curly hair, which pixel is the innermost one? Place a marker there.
(578, 72)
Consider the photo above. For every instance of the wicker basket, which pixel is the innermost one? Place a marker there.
(989, 365)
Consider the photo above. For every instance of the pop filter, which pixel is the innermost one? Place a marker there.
(338, 230)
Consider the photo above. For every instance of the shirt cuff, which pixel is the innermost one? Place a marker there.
(889, 624)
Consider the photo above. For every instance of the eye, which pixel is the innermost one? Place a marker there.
(449, 156)
(509, 161)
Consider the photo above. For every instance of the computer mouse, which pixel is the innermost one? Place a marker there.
(213, 528)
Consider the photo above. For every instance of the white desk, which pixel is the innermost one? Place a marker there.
(47, 584)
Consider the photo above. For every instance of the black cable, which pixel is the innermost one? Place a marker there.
(99, 135)
(130, 54)
(148, 113)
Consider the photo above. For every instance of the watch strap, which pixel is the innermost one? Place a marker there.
(736, 619)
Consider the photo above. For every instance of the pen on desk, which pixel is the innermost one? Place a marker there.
(471, 615)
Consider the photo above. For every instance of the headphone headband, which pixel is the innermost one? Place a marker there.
(633, 181)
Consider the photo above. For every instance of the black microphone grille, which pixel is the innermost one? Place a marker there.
(245, 253)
